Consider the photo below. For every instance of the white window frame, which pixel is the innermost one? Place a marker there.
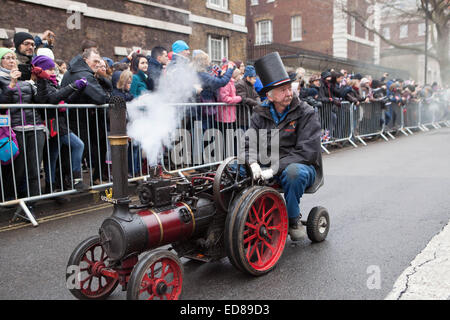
(223, 48)
(403, 33)
(387, 32)
(254, 2)
(352, 26)
(421, 29)
(258, 35)
(296, 26)
(217, 4)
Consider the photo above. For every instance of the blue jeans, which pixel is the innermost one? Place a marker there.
(133, 159)
(294, 180)
(76, 146)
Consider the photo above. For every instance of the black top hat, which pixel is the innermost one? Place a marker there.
(271, 71)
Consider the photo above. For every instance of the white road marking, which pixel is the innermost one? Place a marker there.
(428, 276)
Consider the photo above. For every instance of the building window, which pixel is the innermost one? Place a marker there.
(263, 32)
(254, 2)
(296, 28)
(421, 31)
(220, 4)
(403, 31)
(217, 48)
(352, 26)
(387, 33)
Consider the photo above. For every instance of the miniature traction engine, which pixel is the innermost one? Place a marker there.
(205, 216)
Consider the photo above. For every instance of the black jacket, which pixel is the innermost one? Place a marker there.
(23, 93)
(250, 100)
(94, 92)
(154, 73)
(299, 135)
(49, 93)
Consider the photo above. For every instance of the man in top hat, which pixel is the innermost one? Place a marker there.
(299, 138)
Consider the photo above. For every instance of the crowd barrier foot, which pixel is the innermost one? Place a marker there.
(362, 141)
(436, 125)
(384, 137)
(390, 135)
(28, 215)
(353, 144)
(409, 131)
(325, 149)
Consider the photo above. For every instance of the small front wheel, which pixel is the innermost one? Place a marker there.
(318, 224)
(83, 271)
(157, 276)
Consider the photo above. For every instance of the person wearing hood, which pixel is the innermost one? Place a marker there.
(86, 66)
(299, 164)
(157, 61)
(49, 91)
(329, 94)
(27, 125)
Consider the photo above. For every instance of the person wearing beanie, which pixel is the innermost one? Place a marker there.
(250, 98)
(49, 92)
(25, 45)
(45, 52)
(181, 48)
(26, 123)
(180, 55)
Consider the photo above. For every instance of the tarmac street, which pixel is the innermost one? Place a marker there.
(389, 206)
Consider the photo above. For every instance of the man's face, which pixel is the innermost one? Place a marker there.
(94, 61)
(185, 53)
(251, 80)
(281, 96)
(27, 47)
(163, 59)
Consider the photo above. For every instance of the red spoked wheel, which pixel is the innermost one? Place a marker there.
(157, 276)
(256, 230)
(84, 278)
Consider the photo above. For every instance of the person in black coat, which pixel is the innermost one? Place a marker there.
(86, 66)
(298, 163)
(27, 125)
(49, 92)
(157, 61)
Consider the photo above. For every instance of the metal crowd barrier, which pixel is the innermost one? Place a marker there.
(412, 117)
(369, 121)
(336, 123)
(31, 177)
(208, 134)
(396, 121)
(204, 139)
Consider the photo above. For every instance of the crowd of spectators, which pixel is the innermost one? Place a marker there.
(30, 74)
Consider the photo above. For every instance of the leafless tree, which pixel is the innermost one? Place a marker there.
(437, 12)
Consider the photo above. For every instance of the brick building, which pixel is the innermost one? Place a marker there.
(320, 26)
(119, 26)
(409, 32)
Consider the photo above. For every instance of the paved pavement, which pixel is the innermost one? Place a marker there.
(387, 201)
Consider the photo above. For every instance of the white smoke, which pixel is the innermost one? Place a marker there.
(152, 117)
